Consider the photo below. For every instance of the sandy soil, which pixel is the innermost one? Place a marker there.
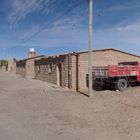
(29, 113)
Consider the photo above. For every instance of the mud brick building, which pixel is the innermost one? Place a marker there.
(12, 65)
(54, 69)
(26, 67)
(102, 57)
(69, 70)
(21, 68)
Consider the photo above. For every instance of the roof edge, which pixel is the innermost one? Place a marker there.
(99, 50)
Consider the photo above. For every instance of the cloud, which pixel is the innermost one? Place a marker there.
(65, 34)
(20, 9)
(120, 37)
(120, 8)
(59, 35)
(124, 7)
(133, 27)
(73, 20)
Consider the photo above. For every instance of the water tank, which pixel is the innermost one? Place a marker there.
(31, 50)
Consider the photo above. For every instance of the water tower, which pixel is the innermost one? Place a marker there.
(32, 52)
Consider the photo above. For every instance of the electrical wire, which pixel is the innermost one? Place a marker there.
(76, 5)
(58, 18)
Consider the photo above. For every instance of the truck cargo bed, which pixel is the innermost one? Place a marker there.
(115, 71)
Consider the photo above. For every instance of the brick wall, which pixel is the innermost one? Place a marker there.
(30, 72)
(12, 65)
(73, 72)
(21, 68)
(74, 67)
(46, 69)
(26, 67)
(100, 58)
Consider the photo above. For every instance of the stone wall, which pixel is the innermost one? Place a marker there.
(30, 68)
(21, 68)
(12, 65)
(46, 69)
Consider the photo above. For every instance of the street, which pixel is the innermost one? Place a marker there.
(33, 110)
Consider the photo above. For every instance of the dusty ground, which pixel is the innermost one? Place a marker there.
(29, 113)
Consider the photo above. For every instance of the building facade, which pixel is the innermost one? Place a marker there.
(12, 65)
(53, 69)
(26, 67)
(70, 70)
(21, 68)
(102, 57)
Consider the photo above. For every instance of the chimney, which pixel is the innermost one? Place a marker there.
(32, 53)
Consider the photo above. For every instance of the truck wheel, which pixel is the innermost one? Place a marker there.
(121, 84)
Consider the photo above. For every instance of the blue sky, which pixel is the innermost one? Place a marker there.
(116, 24)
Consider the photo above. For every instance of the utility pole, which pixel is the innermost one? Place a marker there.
(90, 90)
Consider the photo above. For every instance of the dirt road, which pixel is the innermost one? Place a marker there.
(29, 113)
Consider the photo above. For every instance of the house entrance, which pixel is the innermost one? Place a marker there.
(59, 74)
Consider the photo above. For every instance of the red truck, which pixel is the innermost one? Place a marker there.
(118, 76)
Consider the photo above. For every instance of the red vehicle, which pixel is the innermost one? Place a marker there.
(118, 76)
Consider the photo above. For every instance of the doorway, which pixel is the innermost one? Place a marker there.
(59, 74)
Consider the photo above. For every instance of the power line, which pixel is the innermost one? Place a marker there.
(61, 16)
(46, 26)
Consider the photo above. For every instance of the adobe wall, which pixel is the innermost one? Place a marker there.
(100, 58)
(46, 69)
(21, 68)
(30, 68)
(12, 66)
